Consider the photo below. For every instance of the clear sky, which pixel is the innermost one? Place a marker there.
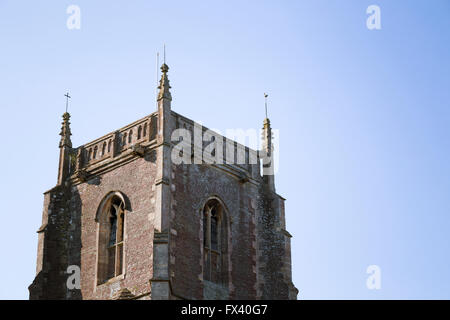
(363, 116)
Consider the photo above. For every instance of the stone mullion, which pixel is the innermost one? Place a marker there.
(208, 241)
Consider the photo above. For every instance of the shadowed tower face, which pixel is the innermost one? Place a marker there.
(138, 225)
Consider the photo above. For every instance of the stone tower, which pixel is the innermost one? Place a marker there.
(129, 220)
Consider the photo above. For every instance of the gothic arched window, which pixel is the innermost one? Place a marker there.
(214, 242)
(145, 129)
(124, 142)
(111, 220)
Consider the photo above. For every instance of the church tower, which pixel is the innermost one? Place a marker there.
(128, 220)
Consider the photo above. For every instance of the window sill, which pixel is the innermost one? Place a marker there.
(112, 280)
(212, 250)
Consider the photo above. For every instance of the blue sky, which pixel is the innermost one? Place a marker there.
(363, 117)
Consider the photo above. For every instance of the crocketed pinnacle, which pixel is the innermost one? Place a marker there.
(164, 86)
(65, 132)
(267, 136)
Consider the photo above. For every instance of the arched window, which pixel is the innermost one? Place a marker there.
(124, 142)
(139, 134)
(111, 218)
(215, 243)
(130, 136)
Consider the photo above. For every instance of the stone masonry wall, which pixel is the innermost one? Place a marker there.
(55, 251)
(136, 181)
(273, 244)
(192, 186)
(69, 234)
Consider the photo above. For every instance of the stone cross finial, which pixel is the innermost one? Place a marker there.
(164, 86)
(67, 100)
